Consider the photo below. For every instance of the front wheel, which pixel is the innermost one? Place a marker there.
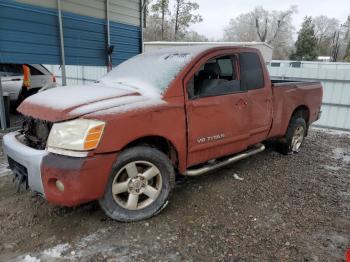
(139, 185)
(294, 137)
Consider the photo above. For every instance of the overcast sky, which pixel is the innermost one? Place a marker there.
(217, 13)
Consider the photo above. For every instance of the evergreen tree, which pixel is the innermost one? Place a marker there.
(306, 44)
(184, 16)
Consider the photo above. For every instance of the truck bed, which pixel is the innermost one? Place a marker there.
(289, 95)
(288, 82)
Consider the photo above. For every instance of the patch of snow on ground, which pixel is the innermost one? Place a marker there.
(57, 251)
(69, 251)
(29, 258)
(332, 131)
(332, 168)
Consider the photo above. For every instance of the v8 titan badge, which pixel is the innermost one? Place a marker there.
(210, 138)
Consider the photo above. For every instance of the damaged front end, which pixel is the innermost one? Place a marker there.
(34, 134)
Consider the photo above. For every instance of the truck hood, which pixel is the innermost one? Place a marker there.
(64, 103)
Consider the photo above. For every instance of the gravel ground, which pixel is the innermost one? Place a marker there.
(286, 208)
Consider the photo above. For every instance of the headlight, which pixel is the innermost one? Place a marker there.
(77, 135)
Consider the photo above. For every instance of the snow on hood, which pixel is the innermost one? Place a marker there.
(63, 103)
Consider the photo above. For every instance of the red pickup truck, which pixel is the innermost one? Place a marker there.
(169, 112)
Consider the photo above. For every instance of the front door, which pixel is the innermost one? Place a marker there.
(217, 111)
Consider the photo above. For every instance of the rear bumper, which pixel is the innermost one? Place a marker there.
(84, 179)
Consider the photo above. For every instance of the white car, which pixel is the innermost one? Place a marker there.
(12, 80)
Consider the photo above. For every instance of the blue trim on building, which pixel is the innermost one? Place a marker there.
(29, 34)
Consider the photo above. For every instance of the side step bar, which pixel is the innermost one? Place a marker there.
(204, 169)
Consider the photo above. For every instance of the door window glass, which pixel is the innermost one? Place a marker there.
(216, 77)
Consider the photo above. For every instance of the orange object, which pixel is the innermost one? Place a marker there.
(93, 137)
(26, 76)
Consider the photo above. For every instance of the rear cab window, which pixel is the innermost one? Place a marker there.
(252, 75)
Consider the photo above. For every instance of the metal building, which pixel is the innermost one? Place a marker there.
(29, 31)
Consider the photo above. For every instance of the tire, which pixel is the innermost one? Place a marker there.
(292, 141)
(125, 184)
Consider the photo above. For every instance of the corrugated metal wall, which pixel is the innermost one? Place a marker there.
(78, 75)
(122, 11)
(335, 78)
(29, 31)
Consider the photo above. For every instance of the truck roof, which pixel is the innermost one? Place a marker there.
(195, 49)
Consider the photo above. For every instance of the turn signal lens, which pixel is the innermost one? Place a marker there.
(93, 137)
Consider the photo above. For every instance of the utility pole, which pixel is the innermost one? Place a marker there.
(2, 108)
(63, 58)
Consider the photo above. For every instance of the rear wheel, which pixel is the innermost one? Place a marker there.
(139, 185)
(294, 137)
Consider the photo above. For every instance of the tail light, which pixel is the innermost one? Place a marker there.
(53, 78)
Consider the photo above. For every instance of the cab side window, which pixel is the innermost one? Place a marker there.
(252, 75)
(217, 76)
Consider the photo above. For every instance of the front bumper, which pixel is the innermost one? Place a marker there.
(84, 179)
(27, 157)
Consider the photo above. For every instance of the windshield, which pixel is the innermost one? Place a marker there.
(151, 73)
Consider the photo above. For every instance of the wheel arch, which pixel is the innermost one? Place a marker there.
(159, 142)
(302, 111)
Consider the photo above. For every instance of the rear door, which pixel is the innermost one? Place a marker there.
(217, 113)
(259, 96)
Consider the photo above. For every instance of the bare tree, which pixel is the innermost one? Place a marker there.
(325, 28)
(268, 25)
(272, 27)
